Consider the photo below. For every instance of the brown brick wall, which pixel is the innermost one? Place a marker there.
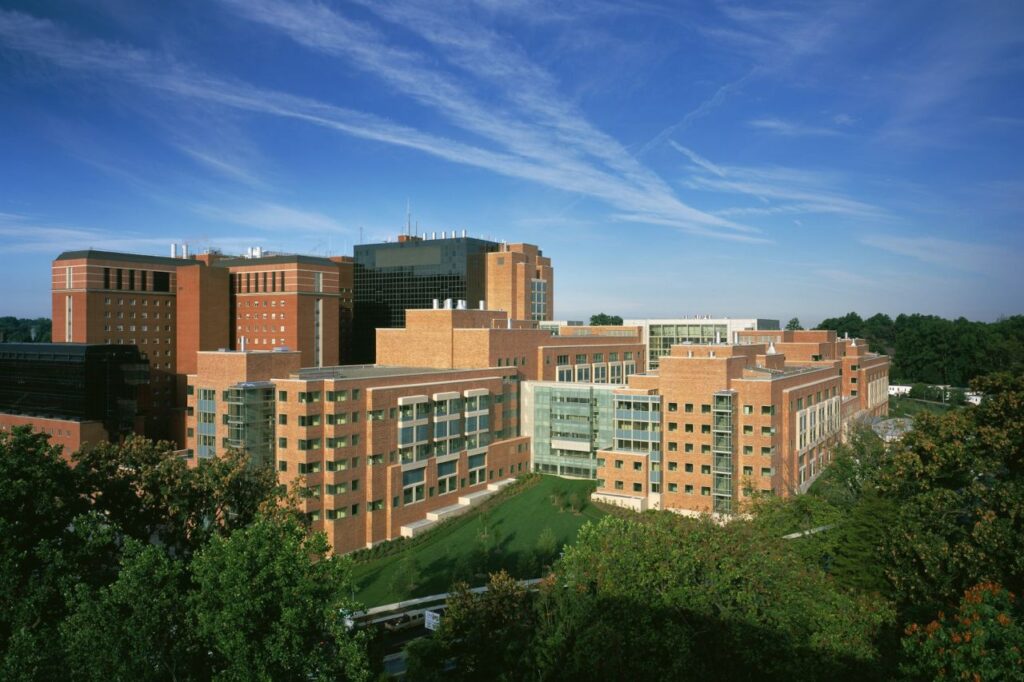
(70, 435)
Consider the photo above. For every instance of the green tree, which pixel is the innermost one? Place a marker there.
(853, 469)
(408, 576)
(136, 628)
(983, 640)
(850, 323)
(39, 500)
(721, 592)
(547, 546)
(794, 324)
(880, 331)
(920, 392)
(271, 605)
(486, 634)
(958, 481)
(23, 330)
(932, 350)
(603, 320)
(151, 493)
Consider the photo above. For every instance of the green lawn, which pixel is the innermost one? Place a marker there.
(465, 550)
(908, 407)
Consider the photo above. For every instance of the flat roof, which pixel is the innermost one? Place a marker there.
(273, 260)
(789, 371)
(47, 350)
(116, 255)
(634, 322)
(177, 262)
(376, 371)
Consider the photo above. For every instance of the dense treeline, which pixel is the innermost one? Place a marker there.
(16, 329)
(933, 350)
(914, 573)
(132, 566)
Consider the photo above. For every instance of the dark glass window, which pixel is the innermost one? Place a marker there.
(162, 281)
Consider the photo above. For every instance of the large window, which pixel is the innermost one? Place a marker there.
(477, 468)
(446, 477)
(412, 486)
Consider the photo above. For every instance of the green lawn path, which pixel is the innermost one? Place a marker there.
(908, 407)
(516, 524)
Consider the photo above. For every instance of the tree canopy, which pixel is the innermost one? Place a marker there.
(934, 350)
(134, 566)
(17, 329)
(603, 320)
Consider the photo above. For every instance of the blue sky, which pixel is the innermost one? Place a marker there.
(774, 160)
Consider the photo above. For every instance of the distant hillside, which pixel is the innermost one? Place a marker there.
(16, 329)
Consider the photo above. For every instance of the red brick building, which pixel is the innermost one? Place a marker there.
(172, 308)
(382, 452)
(717, 422)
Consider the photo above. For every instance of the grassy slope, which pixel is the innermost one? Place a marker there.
(908, 407)
(516, 524)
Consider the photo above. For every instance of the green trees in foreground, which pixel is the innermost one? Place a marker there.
(133, 566)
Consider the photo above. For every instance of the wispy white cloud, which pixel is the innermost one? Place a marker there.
(540, 126)
(791, 128)
(948, 253)
(930, 88)
(225, 167)
(697, 159)
(27, 234)
(776, 38)
(773, 40)
(779, 190)
(702, 110)
(847, 279)
(271, 216)
(553, 145)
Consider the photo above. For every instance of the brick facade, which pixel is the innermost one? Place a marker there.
(338, 436)
(735, 419)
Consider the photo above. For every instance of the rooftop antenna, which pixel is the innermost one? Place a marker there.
(408, 217)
